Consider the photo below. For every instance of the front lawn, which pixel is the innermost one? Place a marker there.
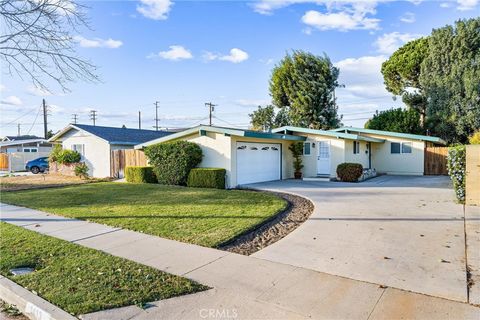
(82, 280)
(39, 181)
(206, 217)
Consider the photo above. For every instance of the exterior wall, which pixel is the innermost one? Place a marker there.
(286, 157)
(337, 155)
(361, 157)
(96, 151)
(402, 164)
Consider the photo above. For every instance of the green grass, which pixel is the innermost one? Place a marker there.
(82, 280)
(206, 217)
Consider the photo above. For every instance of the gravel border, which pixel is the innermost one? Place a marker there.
(297, 211)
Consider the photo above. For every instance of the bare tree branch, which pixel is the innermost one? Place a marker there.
(37, 41)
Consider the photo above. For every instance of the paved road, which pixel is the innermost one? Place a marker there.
(403, 232)
(242, 287)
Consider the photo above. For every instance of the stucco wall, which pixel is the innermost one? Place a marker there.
(337, 155)
(402, 164)
(361, 157)
(96, 150)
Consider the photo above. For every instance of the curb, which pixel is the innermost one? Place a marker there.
(31, 305)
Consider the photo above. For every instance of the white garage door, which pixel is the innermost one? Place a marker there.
(257, 162)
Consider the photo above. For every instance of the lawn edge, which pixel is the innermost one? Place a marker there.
(30, 304)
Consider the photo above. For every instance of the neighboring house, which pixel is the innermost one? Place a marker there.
(33, 145)
(21, 137)
(250, 156)
(95, 143)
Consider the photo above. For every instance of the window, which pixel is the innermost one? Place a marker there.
(406, 147)
(30, 150)
(79, 148)
(306, 148)
(356, 147)
(395, 147)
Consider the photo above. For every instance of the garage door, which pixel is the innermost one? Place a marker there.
(257, 162)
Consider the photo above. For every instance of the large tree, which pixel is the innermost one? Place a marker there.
(450, 77)
(306, 84)
(37, 41)
(401, 74)
(396, 120)
(269, 117)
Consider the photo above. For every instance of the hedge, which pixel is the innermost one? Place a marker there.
(172, 161)
(456, 169)
(207, 178)
(64, 156)
(349, 172)
(140, 175)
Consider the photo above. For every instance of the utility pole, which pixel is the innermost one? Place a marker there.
(45, 129)
(18, 129)
(211, 108)
(93, 116)
(139, 120)
(74, 118)
(156, 114)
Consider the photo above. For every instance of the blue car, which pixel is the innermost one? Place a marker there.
(37, 165)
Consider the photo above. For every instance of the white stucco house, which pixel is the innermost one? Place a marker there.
(95, 143)
(251, 156)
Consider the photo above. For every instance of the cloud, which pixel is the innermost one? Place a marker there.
(98, 43)
(12, 100)
(342, 21)
(3, 88)
(175, 53)
(235, 56)
(155, 9)
(252, 102)
(408, 17)
(389, 42)
(39, 92)
(464, 5)
(445, 5)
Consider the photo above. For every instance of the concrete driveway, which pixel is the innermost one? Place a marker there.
(402, 232)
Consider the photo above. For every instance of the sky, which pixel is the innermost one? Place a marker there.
(186, 53)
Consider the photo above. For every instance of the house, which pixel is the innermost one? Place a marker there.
(18, 150)
(251, 156)
(20, 137)
(95, 143)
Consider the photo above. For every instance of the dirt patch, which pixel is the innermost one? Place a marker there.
(298, 210)
(41, 181)
(10, 312)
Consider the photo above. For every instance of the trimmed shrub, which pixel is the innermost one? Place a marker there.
(140, 175)
(474, 138)
(349, 172)
(81, 170)
(172, 161)
(456, 169)
(68, 156)
(55, 153)
(207, 178)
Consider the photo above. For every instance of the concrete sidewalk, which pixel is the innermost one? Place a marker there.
(243, 287)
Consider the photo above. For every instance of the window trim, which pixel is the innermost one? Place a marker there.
(400, 150)
(309, 149)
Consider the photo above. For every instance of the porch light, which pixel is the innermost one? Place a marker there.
(313, 144)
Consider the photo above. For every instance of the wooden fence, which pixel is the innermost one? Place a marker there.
(124, 158)
(472, 181)
(435, 161)
(4, 161)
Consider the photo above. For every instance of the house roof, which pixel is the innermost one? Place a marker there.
(202, 129)
(22, 137)
(339, 135)
(112, 135)
(20, 142)
(392, 134)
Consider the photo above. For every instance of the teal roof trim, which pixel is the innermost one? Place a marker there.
(225, 131)
(393, 134)
(339, 135)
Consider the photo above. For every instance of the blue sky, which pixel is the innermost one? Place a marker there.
(186, 53)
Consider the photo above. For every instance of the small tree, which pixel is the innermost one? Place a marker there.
(396, 120)
(297, 151)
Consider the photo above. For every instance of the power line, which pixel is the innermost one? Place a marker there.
(156, 115)
(34, 121)
(93, 116)
(45, 129)
(74, 118)
(211, 108)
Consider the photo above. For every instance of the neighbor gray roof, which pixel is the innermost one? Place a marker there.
(114, 135)
(20, 142)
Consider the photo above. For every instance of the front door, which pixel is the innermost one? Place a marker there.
(323, 158)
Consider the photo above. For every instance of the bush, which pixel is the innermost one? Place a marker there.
(55, 153)
(64, 156)
(81, 170)
(456, 170)
(474, 138)
(140, 175)
(349, 172)
(207, 178)
(172, 161)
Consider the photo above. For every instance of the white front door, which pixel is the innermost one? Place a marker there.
(323, 158)
(257, 162)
